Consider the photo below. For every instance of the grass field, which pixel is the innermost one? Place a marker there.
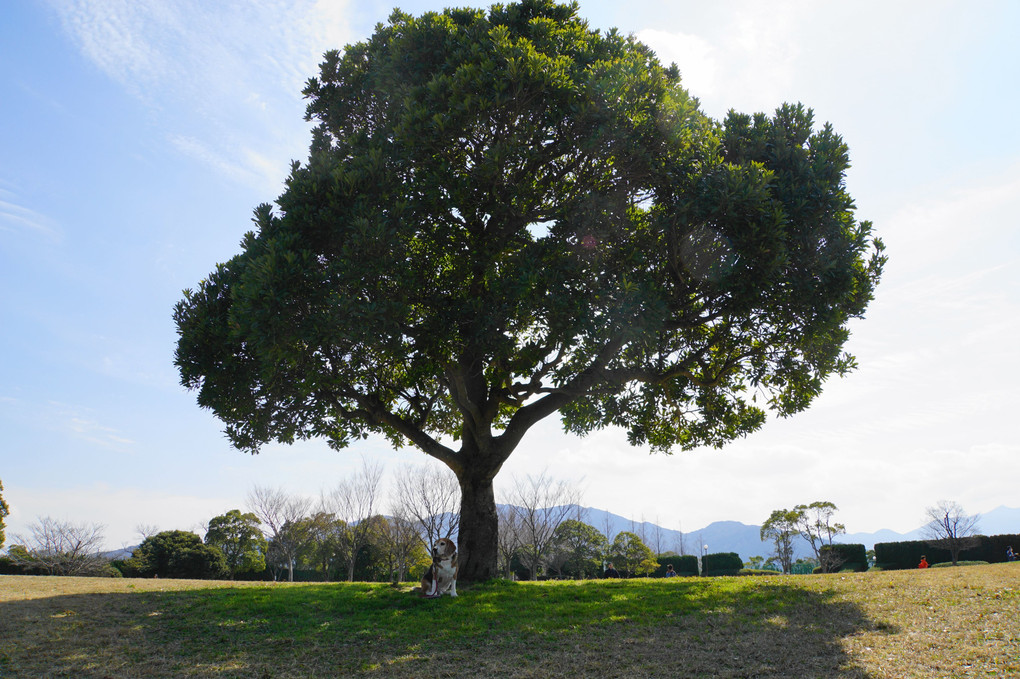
(962, 622)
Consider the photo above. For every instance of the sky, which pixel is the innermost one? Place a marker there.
(137, 136)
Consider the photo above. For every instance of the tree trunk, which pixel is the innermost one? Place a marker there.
(478, 545)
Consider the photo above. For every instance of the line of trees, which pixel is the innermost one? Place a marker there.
(543, 532)
(344, 536)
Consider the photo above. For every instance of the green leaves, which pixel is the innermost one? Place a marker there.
(506, 214)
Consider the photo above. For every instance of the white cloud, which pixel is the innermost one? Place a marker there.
(748, 63)
(94, 432)
(696, 57)
(216, 75)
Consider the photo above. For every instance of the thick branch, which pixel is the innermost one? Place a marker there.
(372, 411)
(529, 415)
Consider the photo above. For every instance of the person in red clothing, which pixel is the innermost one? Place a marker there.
(924, 562)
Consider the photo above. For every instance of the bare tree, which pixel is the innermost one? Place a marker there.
(279, 512)
(607, 527)
(353, 502)
(950, 528)
(429, 495)
(542, 505)
(146, 530)
(509, 535)
(62, 548)
(681, 540)
(656, 537)
(401, 541)
(641, 530)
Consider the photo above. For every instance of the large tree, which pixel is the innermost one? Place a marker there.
(507, 214)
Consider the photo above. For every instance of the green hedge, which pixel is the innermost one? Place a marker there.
(907, 554)
(721, 563)
(850, 557)
(683, 565)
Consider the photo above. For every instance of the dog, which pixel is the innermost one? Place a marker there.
(441, 577)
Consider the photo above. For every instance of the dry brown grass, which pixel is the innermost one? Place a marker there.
(944, 623)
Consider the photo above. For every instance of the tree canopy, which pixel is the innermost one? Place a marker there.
(240, 539)
(507, 214)
(176, 554)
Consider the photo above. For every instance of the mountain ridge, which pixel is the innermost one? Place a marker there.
(745, 539)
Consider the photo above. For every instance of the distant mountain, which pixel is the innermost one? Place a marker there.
(124, 553)
(733, 536)
(719, 536)
(999, 521)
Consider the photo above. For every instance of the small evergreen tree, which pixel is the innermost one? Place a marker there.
(175, 554)
(631, 556)
(238, 536)
(582, 546)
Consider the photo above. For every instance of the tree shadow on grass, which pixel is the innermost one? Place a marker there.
(747, 627)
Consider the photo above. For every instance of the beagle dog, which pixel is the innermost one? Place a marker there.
(441, 577)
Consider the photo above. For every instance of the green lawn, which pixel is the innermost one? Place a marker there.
(939, 623)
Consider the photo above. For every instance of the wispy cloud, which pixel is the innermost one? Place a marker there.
(215, 74)
(14, 217)
(94, 432)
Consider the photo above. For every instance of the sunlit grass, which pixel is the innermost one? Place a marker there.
(945, 623)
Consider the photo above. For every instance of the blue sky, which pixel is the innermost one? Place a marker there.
(136, 137)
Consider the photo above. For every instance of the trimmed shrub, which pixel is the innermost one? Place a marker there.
(722, 563)
(683, 565)
(758, 571)
(907, 554)
(949, 564)
(687, 565)
(891, 556)
(997, 545)
(840, 558)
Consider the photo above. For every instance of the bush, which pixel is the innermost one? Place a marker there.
(722, 563)
(683, 565)
(175, 554)
(840, 558)
(949, 564)
(758, 571)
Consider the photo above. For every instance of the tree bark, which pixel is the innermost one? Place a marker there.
(477, 543)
